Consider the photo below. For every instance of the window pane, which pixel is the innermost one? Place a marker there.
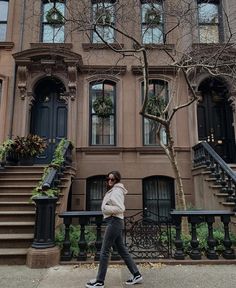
(3, 10)
(157, 88)
(208, 13)
(52, 34)
(152, 35)
(102, 119)
(3, 31)
(153, 7)
(209, 34)
(96, 190)
(103, 11)
(158, 197)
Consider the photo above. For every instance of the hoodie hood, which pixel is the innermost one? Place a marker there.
(121, 186)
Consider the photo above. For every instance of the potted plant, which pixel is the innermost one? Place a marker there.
(5, 147)
(28, 147)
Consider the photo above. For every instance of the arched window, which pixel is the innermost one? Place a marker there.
(152, 21)
(96, 188)
(53, 21)
(102, 113)
(158, 197)
(3, 19)
(103, 14)
(156, 88)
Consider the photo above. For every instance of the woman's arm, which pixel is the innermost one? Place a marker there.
(115, 204)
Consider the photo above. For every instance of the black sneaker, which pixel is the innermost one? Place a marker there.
(94, 283)
(134, 280)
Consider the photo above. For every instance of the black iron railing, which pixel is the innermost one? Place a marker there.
(204, 155)
(194, 219)
(83, 218)
(52, 178)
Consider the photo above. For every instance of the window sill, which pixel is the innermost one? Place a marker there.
(91, 46)
(150, 46)
(67, 46)
(6, 45)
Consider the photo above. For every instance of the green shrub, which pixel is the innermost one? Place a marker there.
(90, 236)
(202, 235)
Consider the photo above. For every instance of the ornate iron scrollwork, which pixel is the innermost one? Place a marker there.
(147, 238)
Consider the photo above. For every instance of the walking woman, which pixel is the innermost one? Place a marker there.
(113, 209)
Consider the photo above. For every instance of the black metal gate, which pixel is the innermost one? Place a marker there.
(147, 238)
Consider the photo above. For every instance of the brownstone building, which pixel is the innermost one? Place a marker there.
(52, 73)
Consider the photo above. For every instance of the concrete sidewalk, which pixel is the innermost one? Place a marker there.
(156, 275)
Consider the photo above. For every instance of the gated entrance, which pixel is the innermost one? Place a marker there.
(147, 238)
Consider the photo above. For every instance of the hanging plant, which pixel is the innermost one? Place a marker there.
(155, 105)
(103, 106)
(153, 17)
(103, 16)
(55, 17)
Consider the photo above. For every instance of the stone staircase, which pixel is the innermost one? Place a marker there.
(17, 212)
(209, 195)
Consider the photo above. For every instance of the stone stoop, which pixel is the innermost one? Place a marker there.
(17, 212)
(208, 194)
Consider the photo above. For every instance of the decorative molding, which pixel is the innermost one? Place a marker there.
(170, 70)
(22, 80)
(72, 84)
(232, 101)
(101, 69)
(6, 45)
(95, 46)
(31, 98)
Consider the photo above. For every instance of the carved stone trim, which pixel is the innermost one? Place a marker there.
(232, 101)
(72, 86)
(137, 70)
(22, 80)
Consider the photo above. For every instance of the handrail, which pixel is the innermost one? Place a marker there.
(217, 158)
(219, 169)
(53, 173)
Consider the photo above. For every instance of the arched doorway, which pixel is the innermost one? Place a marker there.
(49, 115)
(215, 118)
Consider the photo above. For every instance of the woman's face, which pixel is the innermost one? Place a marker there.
(111, 180)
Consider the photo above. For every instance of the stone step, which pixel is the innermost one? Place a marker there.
(12, 188)
(16, 227)
(16, 197)
(16, 206)
(21, 174)
(18, 240)
(33, 168)
(13, 256)
(17, 216)
(19, 181)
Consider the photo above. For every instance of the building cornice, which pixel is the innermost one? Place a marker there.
(103, 69)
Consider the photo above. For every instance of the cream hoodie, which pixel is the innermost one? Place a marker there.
(113, 201)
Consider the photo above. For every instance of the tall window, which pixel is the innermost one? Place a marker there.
(53, 21)
(3, 19)
(208, 21)
(102, 113)
(152, 22)
(96, 188)
(158, 197)
(103, 15)
(157, 98)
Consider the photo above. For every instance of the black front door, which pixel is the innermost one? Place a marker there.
(49, 116)
(215, 119)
